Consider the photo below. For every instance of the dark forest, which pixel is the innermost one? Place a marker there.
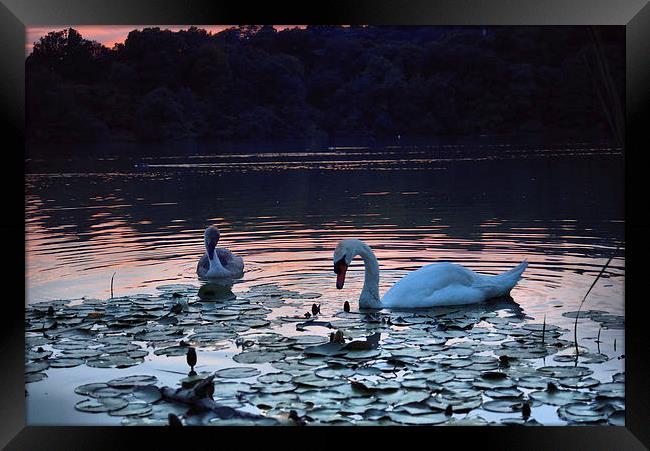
(327, 85)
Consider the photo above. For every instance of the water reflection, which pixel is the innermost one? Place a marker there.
(565, 214)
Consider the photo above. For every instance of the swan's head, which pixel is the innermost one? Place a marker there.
(343, 255)
(211, 236)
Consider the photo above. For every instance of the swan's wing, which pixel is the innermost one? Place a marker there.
(224, 255)
(432, 285)
(501, 284)
(233, 263)
(203, 266)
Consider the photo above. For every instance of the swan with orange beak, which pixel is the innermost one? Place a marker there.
(429, 286)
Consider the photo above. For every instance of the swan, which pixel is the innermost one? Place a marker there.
(430, 286)
(217, 262)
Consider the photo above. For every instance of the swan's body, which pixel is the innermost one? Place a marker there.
(218, 262)
(432, 285)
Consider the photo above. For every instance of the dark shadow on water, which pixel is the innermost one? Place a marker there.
(217, 291)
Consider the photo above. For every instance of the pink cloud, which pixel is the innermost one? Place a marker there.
(109, 35)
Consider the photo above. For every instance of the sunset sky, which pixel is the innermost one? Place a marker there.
(109, 35)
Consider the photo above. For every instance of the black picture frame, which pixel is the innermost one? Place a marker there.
(634, 15)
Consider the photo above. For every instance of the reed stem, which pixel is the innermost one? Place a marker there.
(112, 277)
(575, 325)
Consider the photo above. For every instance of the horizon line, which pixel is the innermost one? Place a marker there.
(109, 35)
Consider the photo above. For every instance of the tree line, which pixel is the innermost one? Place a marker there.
(324, 85)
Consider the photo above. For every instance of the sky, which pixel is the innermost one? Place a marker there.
(109, 35)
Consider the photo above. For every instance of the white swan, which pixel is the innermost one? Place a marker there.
(217, 262)
(432, 285)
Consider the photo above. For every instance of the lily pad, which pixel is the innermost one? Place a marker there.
(133, 408)
(81, 353)
(113, 361)
(311, 380)
(576, 382)
(533, 382)
(442, 402)
(431, 418)
(253, 357)
(88, 389)
(559, 397)
(503, 406)
(110, 392)
(34, 377)
(172, 351)
(500, 393)
(148, 393)
(133, 381)
(65, 362)
(565, 371)
(334, 372)
(37, 366)
(101, 405)
(611, 390)
(37, 354)
(581, 413)
(240, 372)
(617, 418)
(327, 349)
(273, 378)
(361, 355)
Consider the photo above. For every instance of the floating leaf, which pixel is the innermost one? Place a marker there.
(253, 357)
(81, 353)
(311, 380)
(240, 372)
(172, 351)
(503, 406)
(133, 408)
(133, 381)
(559, 397)
(360, 355)
(101, 405)
(148, 393)
(334, 372)
(37, 366)
(533, 382)
(110, 392)
(443, 401)
(575, 382)
(499, 393)
(34, 377)
(65, 362)
(565, 371)
(37, 354)
(431, 418)
(88, 389)
(273, 378)
(581, 413)
(617, 418)
(113, 361)
(611, 390)
(327, 349)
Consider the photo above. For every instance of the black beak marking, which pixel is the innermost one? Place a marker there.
(338, 263)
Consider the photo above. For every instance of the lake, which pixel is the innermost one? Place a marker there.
(141, 221)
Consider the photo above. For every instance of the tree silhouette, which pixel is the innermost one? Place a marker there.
(326, 85)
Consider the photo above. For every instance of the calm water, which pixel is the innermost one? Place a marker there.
(142, 219)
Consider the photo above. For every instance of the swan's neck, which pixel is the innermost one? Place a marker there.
(370, 293)
(216, 268)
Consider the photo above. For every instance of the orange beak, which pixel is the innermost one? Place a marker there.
(340, 268)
